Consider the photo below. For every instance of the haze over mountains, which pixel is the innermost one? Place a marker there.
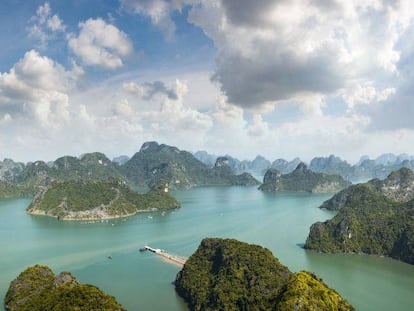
(182, 169)
(153, 162)
(363, 170)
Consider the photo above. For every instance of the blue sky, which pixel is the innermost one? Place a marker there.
(237, 77)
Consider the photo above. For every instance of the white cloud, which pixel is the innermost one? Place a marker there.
(36, 87)
(148, 90)
(366, 94)
(100, 44)
(175, 114)
(257, 126)
(55, 23)
(159, 11)
(45, 25)
(266, 55)
(6, 119)
(124, 110)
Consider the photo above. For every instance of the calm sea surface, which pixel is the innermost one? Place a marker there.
(142, 281)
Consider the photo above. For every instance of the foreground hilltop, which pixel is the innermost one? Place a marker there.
(376, 218)
(302, 179)
(225, 274)
(39, 289)
(180, 168)
(94, 200)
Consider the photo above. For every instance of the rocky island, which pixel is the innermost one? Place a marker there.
(226, 274)
(95, 200)
(302, 179)
(375, 218)
(39, 289)
(180, 168)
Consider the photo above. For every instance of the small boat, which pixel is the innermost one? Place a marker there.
(142, 249)
(109, 257)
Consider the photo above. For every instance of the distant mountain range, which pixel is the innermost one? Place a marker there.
(258, 166)
(152, 163)
(180, 168)
(364, 170)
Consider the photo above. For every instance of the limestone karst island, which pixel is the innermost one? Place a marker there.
(206, 155)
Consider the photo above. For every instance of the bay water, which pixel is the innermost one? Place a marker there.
(143, 281)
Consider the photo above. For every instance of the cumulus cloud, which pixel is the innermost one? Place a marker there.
(148, 90)
(100, 44)
(265, 54)
(366, 94)
(45, 24)
(158, 10)
(36, 87)
(169, 117)
(257, 126)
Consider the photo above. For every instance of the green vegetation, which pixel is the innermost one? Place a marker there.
(91, 199)
(225, 274)
(147, 167)
(180, 168)
(398, 187)
(38, 289)
(12, 190)
(91, 166)
(305, 291)
(302, 179)
(370, 220)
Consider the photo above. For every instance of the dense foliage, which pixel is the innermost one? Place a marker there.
(305, 291)
(38, 289)
(103, 199)
(302, 179)
(225, 274)
(367, 222)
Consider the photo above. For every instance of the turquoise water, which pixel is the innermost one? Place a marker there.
(142, 281)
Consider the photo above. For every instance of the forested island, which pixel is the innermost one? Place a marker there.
(153, 162)
(302, 179)
(226, 274)
(39, 289)
(376, 218)
(98, 199)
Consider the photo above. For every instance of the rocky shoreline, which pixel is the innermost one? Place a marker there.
(78, 217)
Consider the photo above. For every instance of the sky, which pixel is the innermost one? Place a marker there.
(280, 78)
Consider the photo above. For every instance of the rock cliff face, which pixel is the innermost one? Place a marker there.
(374, 218)
(120, 160)
(10, 169)
(221, 161)
(225, 274)
(205, 157)
(302, 179)
(38, 289)
(94, 200)
(284, 166)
